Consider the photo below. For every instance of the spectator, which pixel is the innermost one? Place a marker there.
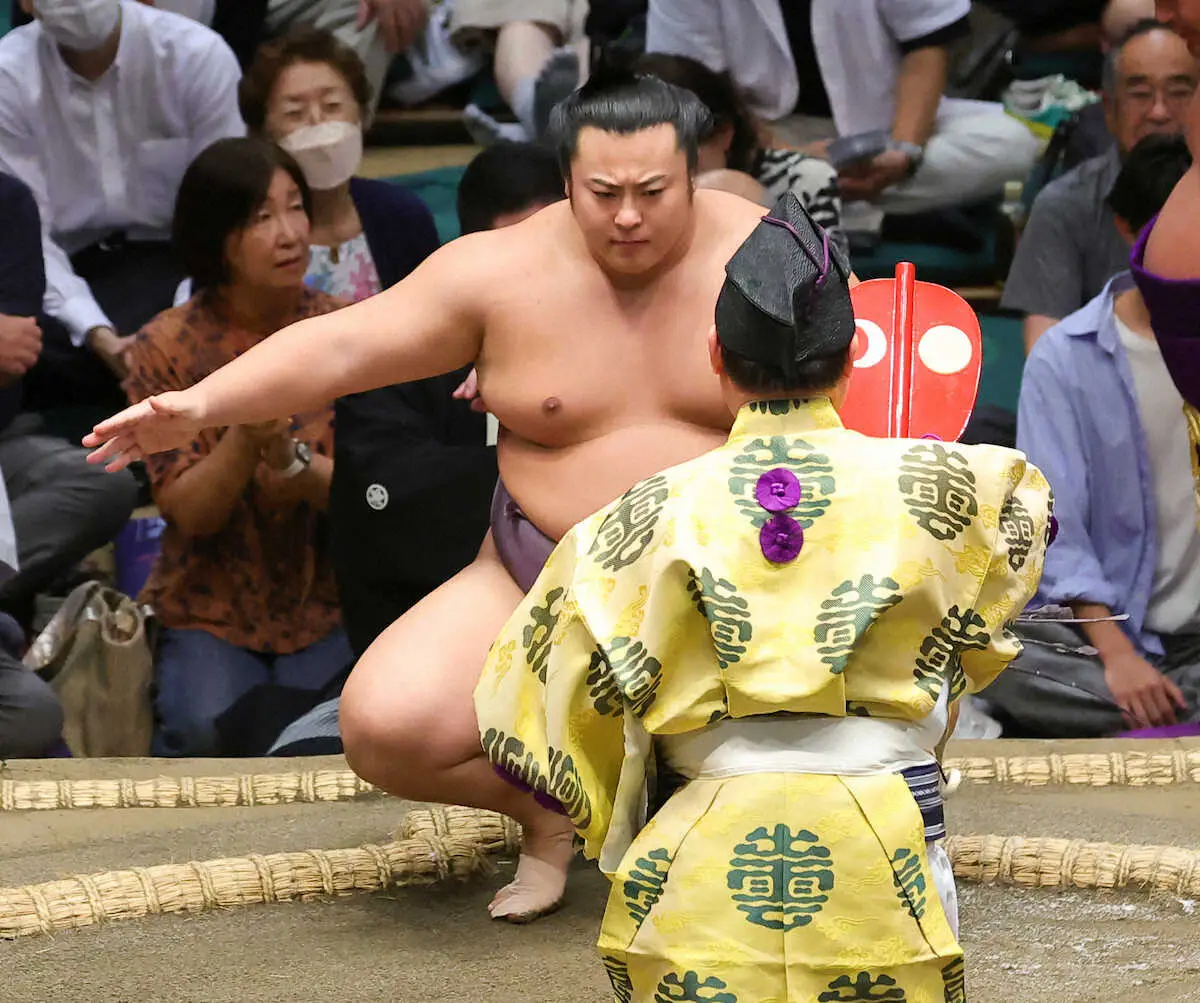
(1102, 418)
(739, 145)
(62, 509)
(309, 93)
(1071, 246)
(413, 480)
(31, 717)
(503, 186)
(863, 66)
(1055, 37)
(1086, 133)
(375, 29)
(244, 586)
(102, 106)
(411, 507)
(540, 49)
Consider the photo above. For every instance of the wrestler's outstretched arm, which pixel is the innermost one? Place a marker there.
(430, 323)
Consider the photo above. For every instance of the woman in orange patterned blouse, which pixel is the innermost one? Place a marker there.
(243, 586)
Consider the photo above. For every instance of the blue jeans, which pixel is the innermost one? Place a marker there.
(207, 685)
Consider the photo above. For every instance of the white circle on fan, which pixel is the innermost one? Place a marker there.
(945, 349)
(876, 344)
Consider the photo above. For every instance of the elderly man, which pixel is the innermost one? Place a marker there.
(1071, 246)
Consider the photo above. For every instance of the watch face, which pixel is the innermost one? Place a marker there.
(304, 452)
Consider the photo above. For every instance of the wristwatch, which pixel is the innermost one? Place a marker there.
(301, 462)
(915, 153)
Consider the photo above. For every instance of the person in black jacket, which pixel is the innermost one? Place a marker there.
(414, 474)
(62, 508)
(414, 471)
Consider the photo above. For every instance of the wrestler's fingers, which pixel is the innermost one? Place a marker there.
(111, 452)
(119, 462)
(105, 449)
(119, 423)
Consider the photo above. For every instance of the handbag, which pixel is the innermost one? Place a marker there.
(96, 656)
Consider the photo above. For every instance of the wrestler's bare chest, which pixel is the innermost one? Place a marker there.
(565, 362)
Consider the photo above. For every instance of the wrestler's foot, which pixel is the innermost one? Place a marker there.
(541, 879)
(555, 82)
(485, 130)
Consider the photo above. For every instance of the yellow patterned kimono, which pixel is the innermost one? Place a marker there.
(660, 620)
(1193, 426)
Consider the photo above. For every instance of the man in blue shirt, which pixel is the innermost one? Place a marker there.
(1100, 415)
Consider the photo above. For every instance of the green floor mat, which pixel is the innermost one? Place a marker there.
(943, 265)
(1003, 360)
(438, 189)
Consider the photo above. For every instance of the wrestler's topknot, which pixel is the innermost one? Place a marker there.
(618, 100)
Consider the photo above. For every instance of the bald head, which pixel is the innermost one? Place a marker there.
(1150, 78)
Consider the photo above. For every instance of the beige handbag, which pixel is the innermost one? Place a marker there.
(95, 655)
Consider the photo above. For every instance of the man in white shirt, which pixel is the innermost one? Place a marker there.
(823, 68)
(103, 104)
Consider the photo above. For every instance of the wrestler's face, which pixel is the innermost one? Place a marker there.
(1184, 17)
(1156, 77)
(631, 196)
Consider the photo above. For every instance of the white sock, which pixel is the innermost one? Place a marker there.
(522, 103)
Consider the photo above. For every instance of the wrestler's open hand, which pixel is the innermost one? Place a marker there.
(468, 390)
(165, 421)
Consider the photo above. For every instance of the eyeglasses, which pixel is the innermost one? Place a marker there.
(1173, 95)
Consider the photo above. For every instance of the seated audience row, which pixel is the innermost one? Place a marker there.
(243, 587)
(413, 486)
(138, 93)
(863, 66)
(246, 586)
(1071, 246)
(1102, 418)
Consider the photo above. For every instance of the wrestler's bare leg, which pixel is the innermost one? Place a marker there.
(408, 724)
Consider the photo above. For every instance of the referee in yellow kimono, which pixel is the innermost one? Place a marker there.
(786, 623)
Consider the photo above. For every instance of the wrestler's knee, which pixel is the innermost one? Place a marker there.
(396, 744)
(374, 737)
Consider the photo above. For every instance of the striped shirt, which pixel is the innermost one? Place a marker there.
(811, 179)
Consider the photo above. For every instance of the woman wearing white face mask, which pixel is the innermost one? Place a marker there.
(309, 93)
